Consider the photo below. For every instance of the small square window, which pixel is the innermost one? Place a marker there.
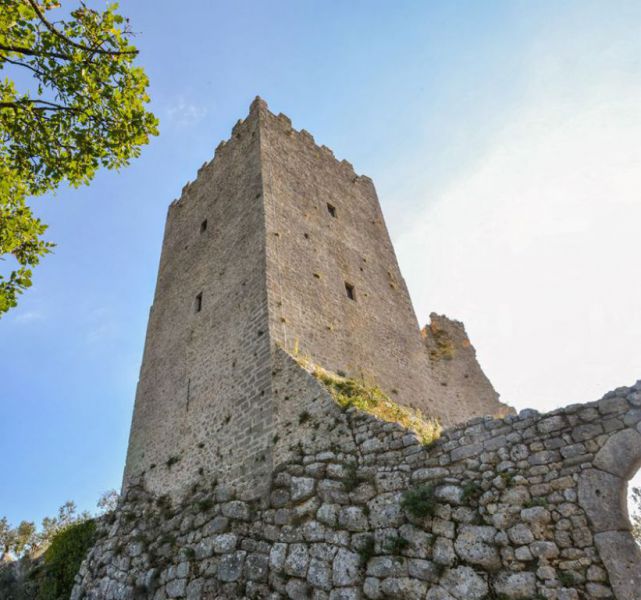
(331, 209)
(198, 304)
(351, 293)
(203, 226)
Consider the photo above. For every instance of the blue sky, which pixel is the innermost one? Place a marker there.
(503, 140)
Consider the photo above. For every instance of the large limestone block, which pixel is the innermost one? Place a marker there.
(515, 586)
(601, 495)
(622, 558)
(404, 587)
(345, 568)
(621, 454)
(474, 545)
(464, 584)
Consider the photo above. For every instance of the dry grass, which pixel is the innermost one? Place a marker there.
(371, 399)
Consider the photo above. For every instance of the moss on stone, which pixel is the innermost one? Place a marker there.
(395, 545)
(420, 501)
(367, 549)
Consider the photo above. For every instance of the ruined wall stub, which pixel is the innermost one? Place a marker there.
(264, 249)
(455, 369)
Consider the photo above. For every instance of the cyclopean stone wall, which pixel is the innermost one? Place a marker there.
(526, 507)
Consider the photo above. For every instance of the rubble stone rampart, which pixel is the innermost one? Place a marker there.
(529, 506)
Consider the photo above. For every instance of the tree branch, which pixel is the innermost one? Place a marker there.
(17, 63)
(30, 52)
(46, 105)
(73, 43)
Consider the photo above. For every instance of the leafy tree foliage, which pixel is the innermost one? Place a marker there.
(25, 538)
(108, 501)
(81, 106)
(6, 537)
(63, 558)
(67, 515)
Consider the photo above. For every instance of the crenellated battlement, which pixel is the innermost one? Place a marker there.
(260, 107)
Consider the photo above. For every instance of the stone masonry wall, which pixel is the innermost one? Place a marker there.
(202, 399)
(524, 507)
(325, 228)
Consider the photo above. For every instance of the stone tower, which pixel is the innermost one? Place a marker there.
(275, 246)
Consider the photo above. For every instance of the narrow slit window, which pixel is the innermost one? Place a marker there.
(198, 304)
(331, 209)
(351, 293)
(203, 226)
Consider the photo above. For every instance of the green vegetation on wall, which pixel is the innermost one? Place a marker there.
(41, 563)
(371, 399)
(63, 558)
(420, 501)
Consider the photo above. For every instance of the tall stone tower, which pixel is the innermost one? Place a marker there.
(275, 245)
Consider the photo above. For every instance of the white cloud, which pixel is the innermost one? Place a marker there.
(184, 113)
(29, 317)
(536, 246)
(100, 326)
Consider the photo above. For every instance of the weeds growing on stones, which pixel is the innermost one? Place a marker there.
(171, 461)
(472, 490)
(396, 545)
(303, 417)
(350, 393)
(367, 549)
(420, 501)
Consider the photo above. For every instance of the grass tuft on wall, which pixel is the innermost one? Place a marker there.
(349, 393)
